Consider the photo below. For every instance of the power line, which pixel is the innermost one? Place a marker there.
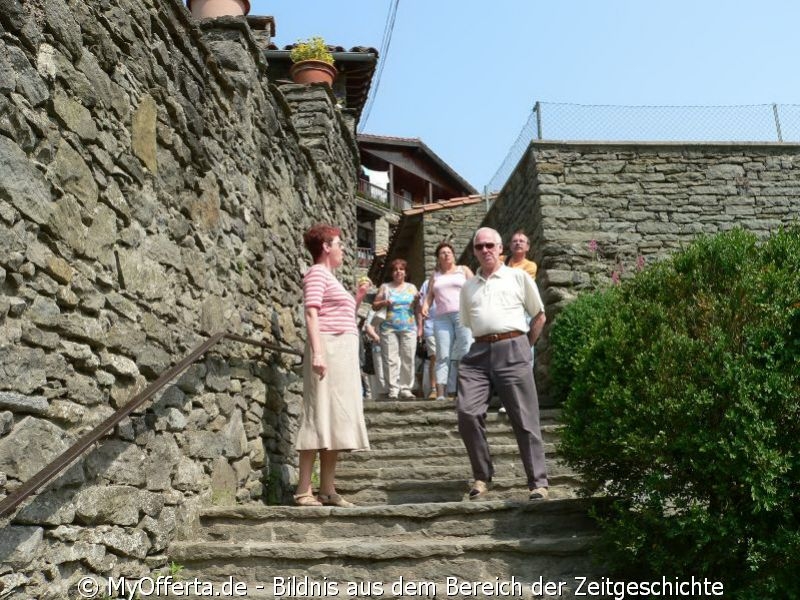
(382, 57)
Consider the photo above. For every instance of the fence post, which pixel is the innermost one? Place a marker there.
(777, 121)
(538, 110)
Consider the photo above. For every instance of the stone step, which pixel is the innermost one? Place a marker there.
(309, 588)
(515, 587)
(389, 419)
(411, 491)
(436, 455)
(426, 436)
(432, 407)
(259, 591)
(508, 465)
(501, 519)
(366, 559)
(414, 521)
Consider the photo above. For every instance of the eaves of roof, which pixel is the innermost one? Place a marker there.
(447, 204)
(385, 140)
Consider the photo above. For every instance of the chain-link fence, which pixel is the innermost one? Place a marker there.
(579, 122)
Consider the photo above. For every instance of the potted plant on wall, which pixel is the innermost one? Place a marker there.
(207, 9)
(313, 62)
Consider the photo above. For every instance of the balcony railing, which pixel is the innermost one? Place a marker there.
(382, 196)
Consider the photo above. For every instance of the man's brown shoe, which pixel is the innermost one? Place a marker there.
(478, 490)
(539, 494)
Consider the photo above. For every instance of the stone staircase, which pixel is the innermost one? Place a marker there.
(413, 522)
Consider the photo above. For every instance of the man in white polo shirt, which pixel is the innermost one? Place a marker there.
(493, 305)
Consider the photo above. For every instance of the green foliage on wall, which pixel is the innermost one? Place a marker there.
(683, 404)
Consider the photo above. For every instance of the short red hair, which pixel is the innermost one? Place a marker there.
(317, 235)
(398, 262)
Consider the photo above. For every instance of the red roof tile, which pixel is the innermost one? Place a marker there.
(443, 204)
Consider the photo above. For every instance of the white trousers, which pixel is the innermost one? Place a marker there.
(398, 349)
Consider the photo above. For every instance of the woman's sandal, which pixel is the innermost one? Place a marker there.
(334, 500)
(306, 500)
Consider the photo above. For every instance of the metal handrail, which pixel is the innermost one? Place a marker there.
(47, 473)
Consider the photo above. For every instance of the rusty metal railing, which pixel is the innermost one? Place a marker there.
(47, 473)
(383, 196)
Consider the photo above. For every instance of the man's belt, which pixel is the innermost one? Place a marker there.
(496, 337)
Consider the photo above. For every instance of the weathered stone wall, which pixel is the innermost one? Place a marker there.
(458, 225)
(153, 189)
(637, 203)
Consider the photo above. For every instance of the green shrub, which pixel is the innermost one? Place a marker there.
(574, 326)
(685, 408)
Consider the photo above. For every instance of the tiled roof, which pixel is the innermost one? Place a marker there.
(367, 137)
(443, 204)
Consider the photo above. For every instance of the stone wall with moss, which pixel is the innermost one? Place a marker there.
(154, 187)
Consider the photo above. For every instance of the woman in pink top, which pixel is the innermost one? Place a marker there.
(333, 416)
(452, 339)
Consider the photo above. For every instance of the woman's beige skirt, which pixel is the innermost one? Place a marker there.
(333, 411)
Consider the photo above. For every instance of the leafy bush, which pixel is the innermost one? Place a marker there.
(573, 328)
(685, 408)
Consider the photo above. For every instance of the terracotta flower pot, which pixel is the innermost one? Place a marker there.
(313, 71)
(206, 9)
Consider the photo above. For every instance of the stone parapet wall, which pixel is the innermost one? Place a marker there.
(154, 188)
(599, 211)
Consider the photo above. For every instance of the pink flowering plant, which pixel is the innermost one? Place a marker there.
(615, 272)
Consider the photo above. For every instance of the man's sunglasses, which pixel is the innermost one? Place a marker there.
(487, 245)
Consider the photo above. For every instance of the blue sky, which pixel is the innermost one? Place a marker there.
(463, 75)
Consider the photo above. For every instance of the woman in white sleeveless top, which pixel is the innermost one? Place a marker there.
(452, 339)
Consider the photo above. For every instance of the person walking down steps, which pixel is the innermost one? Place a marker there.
(398, 333)
(493, 305)
(452, 337)
(520, 245)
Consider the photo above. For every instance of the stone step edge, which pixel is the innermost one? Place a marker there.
(498, 483)
(261, 591)
(439, 419)
(455, 452)
(433, 473)
(418, 510)
(377, 550)
(418, 405)
(396, 429)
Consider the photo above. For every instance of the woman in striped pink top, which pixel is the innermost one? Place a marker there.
(333, 416)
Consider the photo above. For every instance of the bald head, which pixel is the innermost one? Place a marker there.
(495, 236)
(487, 246)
